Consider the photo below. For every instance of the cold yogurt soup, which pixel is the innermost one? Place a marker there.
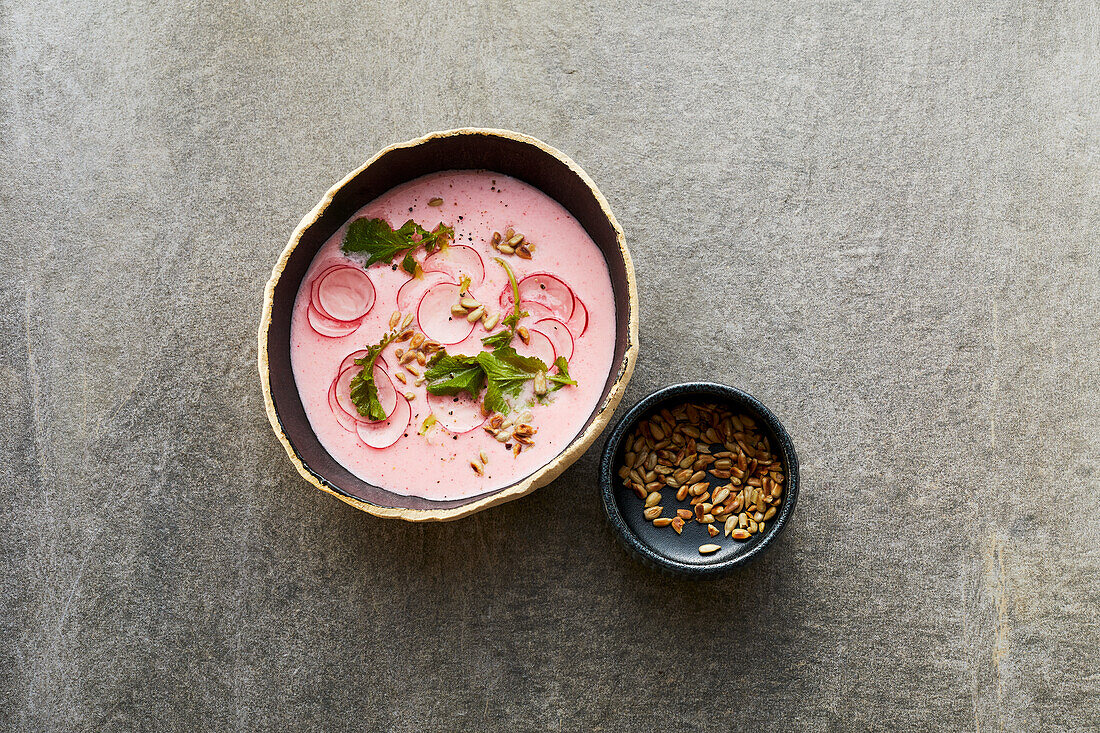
(418, 369)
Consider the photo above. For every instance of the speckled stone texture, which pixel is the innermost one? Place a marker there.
(881, 219)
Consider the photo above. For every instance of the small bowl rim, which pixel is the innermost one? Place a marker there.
(634, 544)
(603, 412)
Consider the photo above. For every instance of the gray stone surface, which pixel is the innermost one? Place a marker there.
(882, 219)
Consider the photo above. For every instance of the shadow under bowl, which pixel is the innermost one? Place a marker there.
(660, 547)
(499, 151)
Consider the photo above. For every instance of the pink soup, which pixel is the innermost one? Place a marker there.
(426, 444)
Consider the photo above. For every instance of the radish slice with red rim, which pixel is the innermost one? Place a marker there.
(347, 422)
(535, 312)
(578, 322)
(344, 294)
(540, 346)
(434, 316)
(456, 413)
(387, 394)
(384, 433)
(409, 294)
(327, 327)
(349, 360)
(456, 261)
(558, 334)
(542, 289)
(321, 276)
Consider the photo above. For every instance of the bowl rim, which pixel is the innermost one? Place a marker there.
(640, 549)
(544, 475)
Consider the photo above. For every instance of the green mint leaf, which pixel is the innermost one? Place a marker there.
(505, 373)
(409, 264)
(449, 375)
(494, 399)
(561, 377)
(530, 365)
(498, 339)
(377, 239)
(364, 392)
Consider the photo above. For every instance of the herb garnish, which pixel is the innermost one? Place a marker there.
(561, 378)
(364, 392)
(382, 243)
(501, 371)
(449, 375)
(503, 338)
(410, 265)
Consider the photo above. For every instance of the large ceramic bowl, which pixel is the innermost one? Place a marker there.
(502, 151)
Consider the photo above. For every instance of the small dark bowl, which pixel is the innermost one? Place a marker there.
(660, 547)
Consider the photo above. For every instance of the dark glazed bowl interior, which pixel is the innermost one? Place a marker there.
(520, 158)
(662, 548)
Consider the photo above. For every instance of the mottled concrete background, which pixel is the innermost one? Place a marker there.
(882, 219)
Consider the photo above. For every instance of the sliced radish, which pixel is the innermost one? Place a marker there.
(540, 346)
(558, 334)
(349, 360)
(347, 422)
(327, 327)
(434, 316)
(578, 322)
(344, 294)
(535, 312)
(456, 413)
(387, 394)
(409, 294)
(321, 276)
(456, 261)
(542, 289)
(384, 433)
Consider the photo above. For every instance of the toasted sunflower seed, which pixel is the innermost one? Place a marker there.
(435, 201)
(708, 549)
(395, 317)
(652, 512)
(662, 522)
(653, 499)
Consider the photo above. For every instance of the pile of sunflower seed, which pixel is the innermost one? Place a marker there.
(512, 243)
(719, 462)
